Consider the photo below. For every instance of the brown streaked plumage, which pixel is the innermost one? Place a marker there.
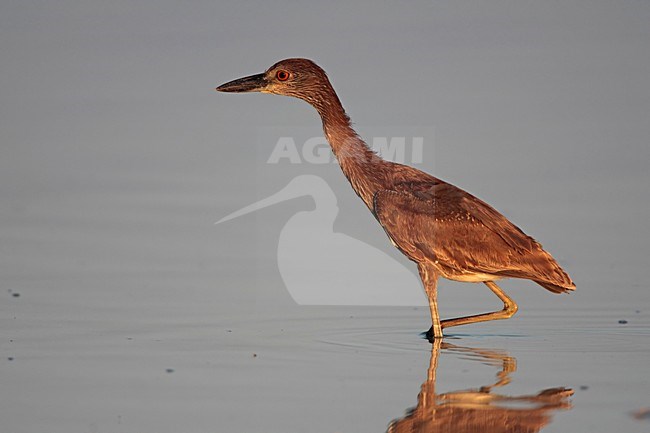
(448, 232)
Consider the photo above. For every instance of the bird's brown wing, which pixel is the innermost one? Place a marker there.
(463, 235)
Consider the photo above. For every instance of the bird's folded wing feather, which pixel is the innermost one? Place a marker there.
(441, 222)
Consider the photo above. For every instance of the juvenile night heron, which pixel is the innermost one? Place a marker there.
(448, 232)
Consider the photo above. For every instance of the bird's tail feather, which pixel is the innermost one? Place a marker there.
(555, 288)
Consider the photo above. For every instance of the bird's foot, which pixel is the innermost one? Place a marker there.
(430, 335)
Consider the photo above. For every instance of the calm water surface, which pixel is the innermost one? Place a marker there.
(128, 311)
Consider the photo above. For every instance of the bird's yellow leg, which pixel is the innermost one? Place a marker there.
(430, 282)
(436, 325)
(509, 309)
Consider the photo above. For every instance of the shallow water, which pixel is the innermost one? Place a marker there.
(115, 320)
(314, 369)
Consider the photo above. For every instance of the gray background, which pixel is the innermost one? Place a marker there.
(117, 156)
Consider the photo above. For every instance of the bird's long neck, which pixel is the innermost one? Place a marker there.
(359, 163)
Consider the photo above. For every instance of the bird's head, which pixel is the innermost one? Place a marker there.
(300, 78)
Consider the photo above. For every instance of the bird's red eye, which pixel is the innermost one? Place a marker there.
(282, 75)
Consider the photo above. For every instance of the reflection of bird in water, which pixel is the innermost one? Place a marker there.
(445, 230)
(356, 273)
(479, 410)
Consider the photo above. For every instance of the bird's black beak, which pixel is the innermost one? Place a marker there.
(254, 83)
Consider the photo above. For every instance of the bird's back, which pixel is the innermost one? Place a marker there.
(464, 237)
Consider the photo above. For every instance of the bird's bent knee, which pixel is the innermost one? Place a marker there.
(511, 309)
